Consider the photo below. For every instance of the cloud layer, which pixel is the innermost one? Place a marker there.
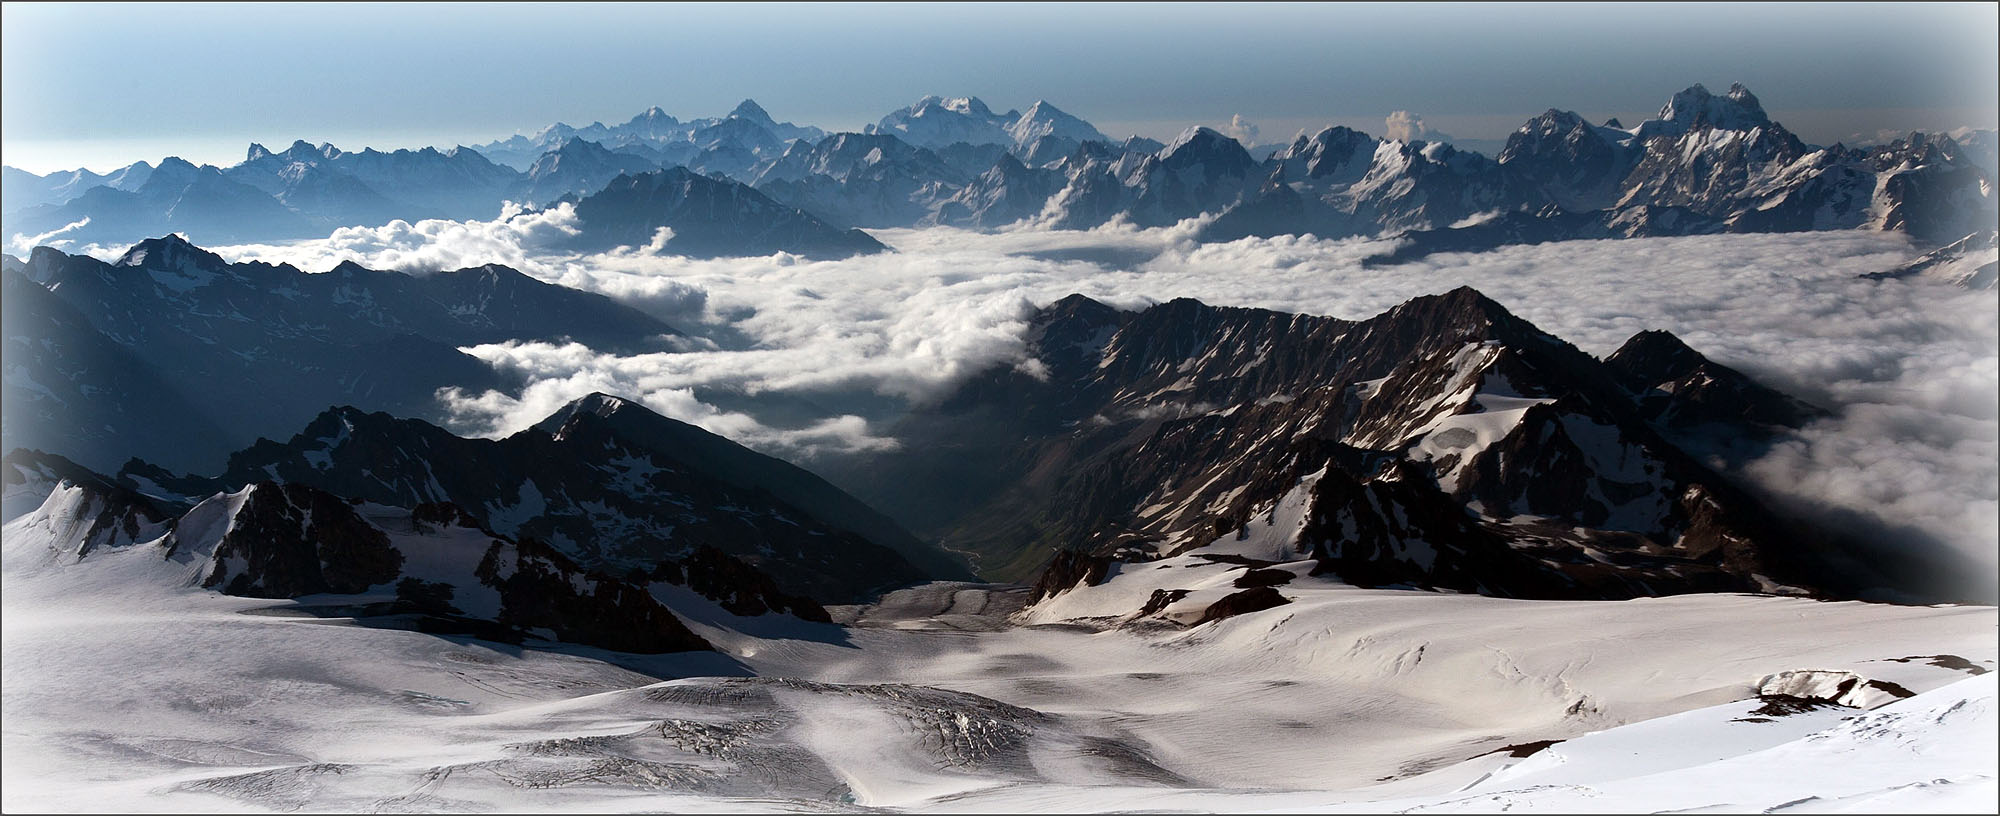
(813, 358)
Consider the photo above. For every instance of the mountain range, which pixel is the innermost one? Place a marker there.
(101, 356)
(1706, 163)
(1446, 443)
(1443, 444)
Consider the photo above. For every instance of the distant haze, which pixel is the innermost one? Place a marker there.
(103, 85)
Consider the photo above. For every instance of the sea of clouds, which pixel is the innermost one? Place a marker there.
(1909, 368)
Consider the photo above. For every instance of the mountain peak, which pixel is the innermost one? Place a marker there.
(1656, 342)
(596, 403)
(1738, 109)
(170, 251)
(1200, 144)
(1195, 135)
(749, 109)
(349, 268)
(1677, 386)
(577, 145)
(1457, 305)
(970, 105)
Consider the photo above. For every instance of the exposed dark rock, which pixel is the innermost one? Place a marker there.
(1249, 600)
(1263, 578)
(1679, 389)
(426, 597)
(1066, 570)
(615, 486)
(107, 515)
(1160, 600)
(295, 540)
(1953, 662)
(738, 587)
(1147, 434)
(538, 590)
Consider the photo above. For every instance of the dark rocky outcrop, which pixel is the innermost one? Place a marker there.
(1066, 570)
(737, 587)
(1238, 603)
(294, 540)
(1679, 389)
(614, 486)
(537, 586)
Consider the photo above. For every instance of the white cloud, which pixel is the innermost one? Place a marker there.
(53, 238)
(1909, 368)
(1242, 130)
(432, 245)
(1404, 126)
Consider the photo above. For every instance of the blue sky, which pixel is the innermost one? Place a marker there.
(104, 85)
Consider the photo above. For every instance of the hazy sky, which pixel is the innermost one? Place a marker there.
(103, 85)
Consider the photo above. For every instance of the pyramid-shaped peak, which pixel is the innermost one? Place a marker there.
(1201, 144)
(1462, 303)
(1656, 340)
(170, 251)
(1197, 134)
(749, 109)
(1657, 352)
(1078, 303)
(596, 403)
(577, 145)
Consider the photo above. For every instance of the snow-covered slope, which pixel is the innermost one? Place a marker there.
(1972, 262)
(1343, 699)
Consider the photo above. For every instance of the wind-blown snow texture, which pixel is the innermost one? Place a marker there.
(129, 691)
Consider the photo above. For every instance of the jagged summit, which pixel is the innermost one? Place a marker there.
(1738, 109)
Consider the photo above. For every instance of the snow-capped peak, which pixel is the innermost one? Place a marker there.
(1043, 119)
(749, 109)
(1696, 107)
(968, 105)
(169, 252)
(1192, 136)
